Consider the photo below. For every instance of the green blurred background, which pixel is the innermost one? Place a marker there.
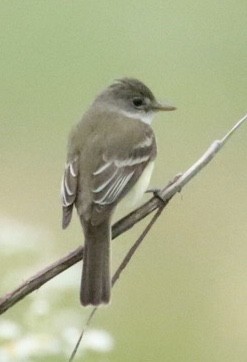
(183, 296)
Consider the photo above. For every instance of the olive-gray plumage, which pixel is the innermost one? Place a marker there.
(108, 151)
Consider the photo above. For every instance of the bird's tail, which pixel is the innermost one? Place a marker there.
(96, 281)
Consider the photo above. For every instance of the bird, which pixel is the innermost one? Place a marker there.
(110, 154)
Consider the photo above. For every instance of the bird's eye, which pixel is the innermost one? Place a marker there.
(137, 101)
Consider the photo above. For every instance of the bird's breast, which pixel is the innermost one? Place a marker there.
(137, 191)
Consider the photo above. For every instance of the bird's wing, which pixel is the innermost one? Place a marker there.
(117, 174)
(69, 189)
(112, 177)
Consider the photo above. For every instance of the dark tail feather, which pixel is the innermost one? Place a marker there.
(96, 282)
(67, 215)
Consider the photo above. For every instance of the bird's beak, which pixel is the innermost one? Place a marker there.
(158, 106)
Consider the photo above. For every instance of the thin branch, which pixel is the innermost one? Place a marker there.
(121, 226)
(208, 155)
(233, 129)
(138, 242)
(90, 317)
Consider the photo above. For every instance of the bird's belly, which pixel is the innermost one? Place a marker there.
(137, 191)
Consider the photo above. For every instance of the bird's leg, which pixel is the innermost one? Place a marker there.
(157, 191)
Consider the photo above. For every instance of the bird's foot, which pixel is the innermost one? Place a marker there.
(157, 192)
